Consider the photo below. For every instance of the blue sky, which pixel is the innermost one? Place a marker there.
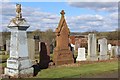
(56, 7)
(80, 16)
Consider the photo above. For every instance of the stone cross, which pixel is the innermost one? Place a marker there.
(62, 13)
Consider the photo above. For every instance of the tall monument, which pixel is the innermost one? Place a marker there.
(18, 64)
(62, 53)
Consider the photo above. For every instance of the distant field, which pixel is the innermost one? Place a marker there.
(78, 71)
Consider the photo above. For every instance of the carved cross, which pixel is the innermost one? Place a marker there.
(62, 12)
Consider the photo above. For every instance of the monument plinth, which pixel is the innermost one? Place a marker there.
(18, 64)
(62, 53)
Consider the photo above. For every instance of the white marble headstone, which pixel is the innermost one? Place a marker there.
(81, 54)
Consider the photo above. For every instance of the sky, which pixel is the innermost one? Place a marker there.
(80, 16)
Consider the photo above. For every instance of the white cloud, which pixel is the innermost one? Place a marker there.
(97, 6)
(44, 20)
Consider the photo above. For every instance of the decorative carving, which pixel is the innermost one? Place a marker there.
(18, 11)
(62, 53)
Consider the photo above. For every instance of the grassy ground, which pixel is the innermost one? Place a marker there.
(78, 71)
(3, 64)
(4, 57)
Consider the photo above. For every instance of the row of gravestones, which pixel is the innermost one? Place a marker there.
(105, 51)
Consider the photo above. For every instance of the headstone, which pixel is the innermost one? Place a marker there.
(81, 54)
(62, 53)
(37, 46)
(44, 55)
(1, 42)
(103, 49)
(31, 49)
(73, 46)
(8, 46)
(92, 56)
(110, 50)
(18, 64)
(115, 51)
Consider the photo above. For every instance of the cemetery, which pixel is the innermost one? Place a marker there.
(61, 55)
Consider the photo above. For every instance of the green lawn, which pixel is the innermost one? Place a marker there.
(4, 57)
(82, 70)
(3, 64)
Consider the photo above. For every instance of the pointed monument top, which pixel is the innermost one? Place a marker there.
(62, 12)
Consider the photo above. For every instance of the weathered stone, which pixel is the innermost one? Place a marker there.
(103, 49)
(31, 49)
(18, 63)
(81, 54)
(44, 55)
(8, 46)
(115, 51)
(92, 56)
(62, 53)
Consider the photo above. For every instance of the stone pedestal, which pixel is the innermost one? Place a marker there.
(18, 64)
(81, 54)
(63, 57)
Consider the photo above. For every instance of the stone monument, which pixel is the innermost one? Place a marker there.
(44, 55)
(31, 49)
(62, 53)
(1, 41)
(103, 49)
(92, 56)
(8, 46)
(81, 54)
(18, 64)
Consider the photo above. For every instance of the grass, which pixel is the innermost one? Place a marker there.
(3, 64)
(82, 70)
(4, 57)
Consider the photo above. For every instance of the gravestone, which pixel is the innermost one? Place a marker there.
(8, 46)
(81, 54)
(1, 42)
(62, 53)
(31, 49)
(103, 49)
(115, 51)
(72, 48)
(18, 64)
(37, 46)
(110, 50)
(92, 56)
(44, 55)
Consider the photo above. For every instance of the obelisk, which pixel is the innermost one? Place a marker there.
(18, 64)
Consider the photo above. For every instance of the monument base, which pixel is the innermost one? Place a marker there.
(92, 58)
(24, 73)
(63, 57)
(103, 57)
(81, 59)
(19, 68)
